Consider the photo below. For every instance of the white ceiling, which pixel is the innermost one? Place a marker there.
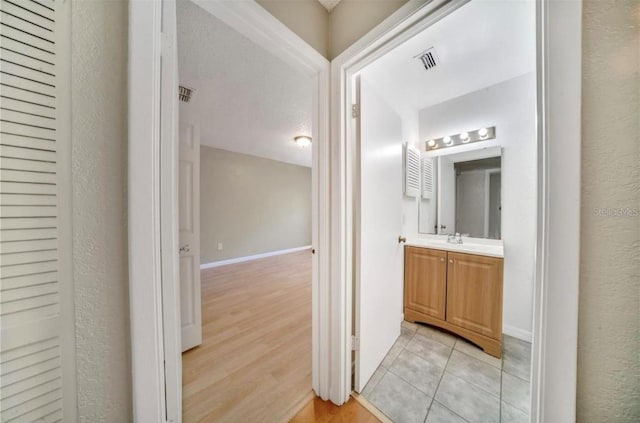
(329, 4)
(481, 44)
(249, 101)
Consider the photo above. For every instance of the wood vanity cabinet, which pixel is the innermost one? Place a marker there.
(461, 293)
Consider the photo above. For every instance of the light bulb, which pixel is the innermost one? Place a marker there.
(464, 137)
(447, 140)
(483, 133)
(431, 143)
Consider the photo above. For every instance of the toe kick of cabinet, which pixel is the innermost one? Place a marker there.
(461, 293)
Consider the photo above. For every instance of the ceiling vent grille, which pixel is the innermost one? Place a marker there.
(428, 58)
(184, 93)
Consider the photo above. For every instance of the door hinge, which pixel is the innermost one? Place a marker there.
(355, 343)
(355, 111)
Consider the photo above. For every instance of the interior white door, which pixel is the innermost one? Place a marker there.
(189, 224)
(37, 320)
(378, 224)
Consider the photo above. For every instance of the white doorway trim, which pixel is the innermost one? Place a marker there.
(153, 247)
(558, 24)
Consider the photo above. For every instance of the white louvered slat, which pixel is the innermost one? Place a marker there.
(36, 352)
(26, 188)
(27, 281)
(9, 44)
(28, 269)
(23, 71)
(26, 84)
(28, 257)
(427, 178)
(411, 171)
(29, 148)
(27, 26)
(26, 130)
(27, 200)
(21, 58)
(31, 119)
(13, 7)
(36, 98)
(9, 163)
(22, 246)
(29, 234)
(10, 295)
(27, 211)
(31, 309)
(9, 149)
(28, 223)
(23, 36)
(24, 107)
(28, 176)
(38, 413)
(8, 402)
(30, 371)
(31, 382)
(31, 359)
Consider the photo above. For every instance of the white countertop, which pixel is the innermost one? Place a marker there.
(482, 247)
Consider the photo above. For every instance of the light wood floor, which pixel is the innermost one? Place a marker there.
(254, 363)
(318, 411)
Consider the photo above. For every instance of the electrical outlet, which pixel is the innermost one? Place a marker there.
(219, 246)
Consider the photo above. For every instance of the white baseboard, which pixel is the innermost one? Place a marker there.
(517, 333)
(254, 257)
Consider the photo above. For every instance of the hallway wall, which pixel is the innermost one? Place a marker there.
(99, 180)
(609, 318)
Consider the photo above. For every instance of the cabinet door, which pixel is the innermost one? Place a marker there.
(425, 275)
(474, 293)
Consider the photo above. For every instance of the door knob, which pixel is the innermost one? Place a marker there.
(401, 239)
(185, 248)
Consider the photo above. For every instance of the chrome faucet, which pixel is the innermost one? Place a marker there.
(454, 239)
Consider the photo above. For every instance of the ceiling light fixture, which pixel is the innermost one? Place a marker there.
(302, 141)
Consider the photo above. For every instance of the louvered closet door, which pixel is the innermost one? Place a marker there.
(37, 379)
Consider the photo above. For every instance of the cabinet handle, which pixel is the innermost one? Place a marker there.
(450, 260)
(441, 259)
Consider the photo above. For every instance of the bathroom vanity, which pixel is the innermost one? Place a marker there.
(456, 287)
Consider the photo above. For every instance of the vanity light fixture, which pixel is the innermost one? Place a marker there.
(302, 141)
(482, 134)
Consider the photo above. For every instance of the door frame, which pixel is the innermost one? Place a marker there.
(152, 197)
(555, 319)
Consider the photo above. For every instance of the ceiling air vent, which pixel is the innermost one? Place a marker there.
(428, 58)
(184, 93)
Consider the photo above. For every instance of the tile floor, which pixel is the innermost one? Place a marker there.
(430, 376)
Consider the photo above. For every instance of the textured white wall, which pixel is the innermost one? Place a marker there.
(510, 106)
(609, 317)
(99, 163)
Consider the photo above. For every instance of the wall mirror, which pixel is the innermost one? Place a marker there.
(468, 194)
